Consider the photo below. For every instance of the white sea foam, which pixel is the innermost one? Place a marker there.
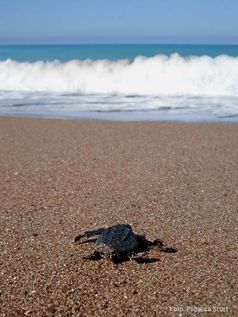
(174, 84)
(157, 76)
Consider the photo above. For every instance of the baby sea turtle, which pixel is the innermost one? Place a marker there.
(120, 243)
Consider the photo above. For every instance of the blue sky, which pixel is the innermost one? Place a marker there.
(118, 21)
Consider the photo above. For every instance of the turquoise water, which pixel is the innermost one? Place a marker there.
(122, 82)
(64, 53)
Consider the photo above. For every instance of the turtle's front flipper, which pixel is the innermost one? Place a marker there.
(89, 234)
(77, 238)
(88, 241)
(92, 233)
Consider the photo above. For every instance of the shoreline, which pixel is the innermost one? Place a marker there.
(174, 181)
(130, 117)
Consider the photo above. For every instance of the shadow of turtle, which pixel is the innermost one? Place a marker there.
(121, 258)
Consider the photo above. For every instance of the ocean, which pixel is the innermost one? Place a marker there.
(120, 82)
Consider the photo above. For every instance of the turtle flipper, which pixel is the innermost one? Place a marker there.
(92, 233)
(88, 241)
(89, 234)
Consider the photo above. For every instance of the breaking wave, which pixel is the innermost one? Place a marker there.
(155, 76)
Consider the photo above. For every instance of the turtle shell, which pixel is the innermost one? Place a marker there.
(118, 238)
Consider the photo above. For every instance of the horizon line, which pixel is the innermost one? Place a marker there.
(122, 43)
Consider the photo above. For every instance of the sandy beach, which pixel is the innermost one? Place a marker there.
(172, 181)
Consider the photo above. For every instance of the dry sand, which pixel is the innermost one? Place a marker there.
(176, 182)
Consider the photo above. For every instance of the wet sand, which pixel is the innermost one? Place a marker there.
(176, 182)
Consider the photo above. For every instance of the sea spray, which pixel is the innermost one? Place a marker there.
(160, 75)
